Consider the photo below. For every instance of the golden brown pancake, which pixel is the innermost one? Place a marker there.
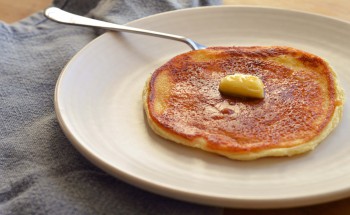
(303, 102)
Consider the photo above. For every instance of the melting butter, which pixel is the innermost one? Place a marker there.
(242, 85)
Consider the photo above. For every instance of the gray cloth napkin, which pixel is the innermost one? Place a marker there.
(40, 171)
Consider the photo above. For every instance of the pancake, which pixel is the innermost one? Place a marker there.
(303, 102)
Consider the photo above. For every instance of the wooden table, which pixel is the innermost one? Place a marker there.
(14, 10)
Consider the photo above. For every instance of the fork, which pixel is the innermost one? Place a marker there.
(65, 17)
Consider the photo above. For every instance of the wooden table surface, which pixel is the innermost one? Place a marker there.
(14, 10)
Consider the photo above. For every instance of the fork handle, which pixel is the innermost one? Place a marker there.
(64, 17)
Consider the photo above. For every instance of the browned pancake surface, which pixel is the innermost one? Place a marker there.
(301, 95)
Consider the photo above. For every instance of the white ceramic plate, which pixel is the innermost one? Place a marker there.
(98, 103)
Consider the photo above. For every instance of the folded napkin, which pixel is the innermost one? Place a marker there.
(40, 171)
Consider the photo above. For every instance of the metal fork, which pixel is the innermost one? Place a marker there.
(64, 17)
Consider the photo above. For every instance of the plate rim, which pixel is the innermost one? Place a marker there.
(241, 6)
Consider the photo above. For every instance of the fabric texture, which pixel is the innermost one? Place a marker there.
(40, 171)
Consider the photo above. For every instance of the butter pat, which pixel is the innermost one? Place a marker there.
(242, 85)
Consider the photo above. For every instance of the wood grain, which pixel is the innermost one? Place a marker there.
(14, 10)
(335, 8)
